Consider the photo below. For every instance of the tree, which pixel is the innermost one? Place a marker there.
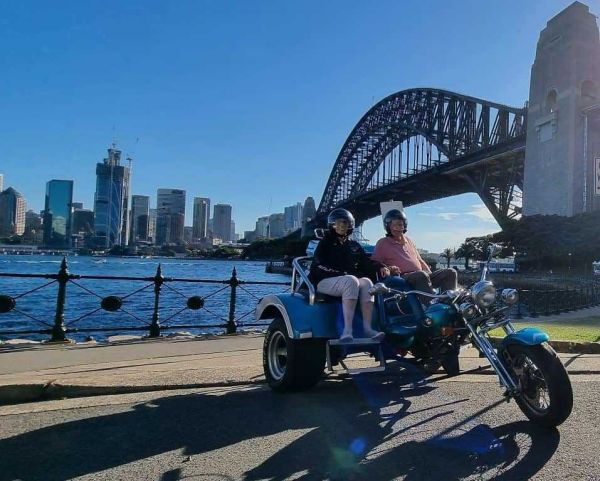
(466, 251)
(447, 254)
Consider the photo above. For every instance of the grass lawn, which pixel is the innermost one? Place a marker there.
(584, 329)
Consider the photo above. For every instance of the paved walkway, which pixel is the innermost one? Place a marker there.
(33, 372)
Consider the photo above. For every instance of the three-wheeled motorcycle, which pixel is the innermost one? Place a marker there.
(303, 338)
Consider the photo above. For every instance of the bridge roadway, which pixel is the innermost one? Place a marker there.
(212, 418)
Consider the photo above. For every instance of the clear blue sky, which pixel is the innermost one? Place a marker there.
(245, 102)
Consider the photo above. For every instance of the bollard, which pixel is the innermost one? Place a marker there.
(59, 330)
(233, 282)
(158, 281)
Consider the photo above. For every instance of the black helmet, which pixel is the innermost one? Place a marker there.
(337, 214)
(390, 215)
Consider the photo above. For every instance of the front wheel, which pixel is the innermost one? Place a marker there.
(546, 396)
(291, 364)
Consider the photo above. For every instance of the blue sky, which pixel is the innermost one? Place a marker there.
(245, 102)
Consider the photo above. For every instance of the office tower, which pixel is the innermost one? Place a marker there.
(76, 206)
(12, 213)
(83, 222)
(292, 217)
(140, 215)
(57, 213)
(276, 226)
(232, 236)
(152, 226)
(1, 182)
(309, 211)
(111, 201)
(34, 231)
(249, 235)
(222, 222)
(201, 216)
(170, 216)
(262, 227)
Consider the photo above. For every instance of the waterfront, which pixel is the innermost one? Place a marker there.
(83, 296)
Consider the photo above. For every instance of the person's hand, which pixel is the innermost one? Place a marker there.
(394, 270)
(384, 272)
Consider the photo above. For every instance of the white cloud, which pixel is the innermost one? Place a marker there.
(447, 215)
(482, 213)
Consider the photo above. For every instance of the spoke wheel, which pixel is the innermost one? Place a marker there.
(546, 396)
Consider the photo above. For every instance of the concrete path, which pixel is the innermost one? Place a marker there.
(36, 372)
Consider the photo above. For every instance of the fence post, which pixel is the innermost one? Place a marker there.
(158, 281)
(59, 330)
(233, 282)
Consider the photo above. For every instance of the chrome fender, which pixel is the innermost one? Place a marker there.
(301, 319)
(530, 336)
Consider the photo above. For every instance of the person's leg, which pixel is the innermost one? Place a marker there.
(400, 284)
(366, 305)
(345, 287)
(420, 281)
(445, 279)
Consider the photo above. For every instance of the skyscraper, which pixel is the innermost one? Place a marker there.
(222, 222)
(12, 213)
(262, 227)
(170, 216)
(152, 225)
(33, 228)
(276, 226)
(292, 217)
(140, 216)
(1, 182)
(201, 216)
(57, 213)
(309, 210)
(111, 201)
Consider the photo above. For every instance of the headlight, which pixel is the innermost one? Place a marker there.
(484, 294)
(510, 296)
(467, 310)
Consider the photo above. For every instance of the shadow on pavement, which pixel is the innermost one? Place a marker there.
(348, 421)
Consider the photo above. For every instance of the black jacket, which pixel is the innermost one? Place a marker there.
(334, 258)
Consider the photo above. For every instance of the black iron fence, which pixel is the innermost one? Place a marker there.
(544, 295)
(146, 319)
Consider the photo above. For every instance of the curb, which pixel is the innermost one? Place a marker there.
(24, 393)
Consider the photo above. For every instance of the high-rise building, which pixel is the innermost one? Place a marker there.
(1, 182)
(188, 234)
(83, 222)
(170, 216)
(140, 215)
(76, 206)
(309, 211)
(57, 213)
(262, 227)
(276, 226)
(292, 217)
(201, 216)
(34, 232)
(232, 236)
(12, 213)
(152, 225)
(111, 201)
(222, 222)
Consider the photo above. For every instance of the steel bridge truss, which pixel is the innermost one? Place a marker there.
(420, 132)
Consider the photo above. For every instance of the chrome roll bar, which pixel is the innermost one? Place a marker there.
(298, 267)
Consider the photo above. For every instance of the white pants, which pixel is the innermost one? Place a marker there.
(347, 287)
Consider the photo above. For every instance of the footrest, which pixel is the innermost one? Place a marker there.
(357, 342)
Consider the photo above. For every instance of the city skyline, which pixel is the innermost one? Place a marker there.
(257, 120)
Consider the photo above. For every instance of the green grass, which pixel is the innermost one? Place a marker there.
(584, 329)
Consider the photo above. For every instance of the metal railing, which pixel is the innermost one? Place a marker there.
(59, 328)
(545, 295)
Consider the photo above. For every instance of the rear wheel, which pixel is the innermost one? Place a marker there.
(546, 395)
(290, 364)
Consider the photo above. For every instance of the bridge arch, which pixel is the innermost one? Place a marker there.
(459, 127)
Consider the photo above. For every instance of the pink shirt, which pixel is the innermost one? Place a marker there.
(392, 253)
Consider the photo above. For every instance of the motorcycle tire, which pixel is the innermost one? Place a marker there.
(291, 364)
(546, 394)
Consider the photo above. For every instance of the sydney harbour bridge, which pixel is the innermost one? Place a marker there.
(424, 144)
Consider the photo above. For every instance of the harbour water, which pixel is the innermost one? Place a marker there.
(36, 310)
